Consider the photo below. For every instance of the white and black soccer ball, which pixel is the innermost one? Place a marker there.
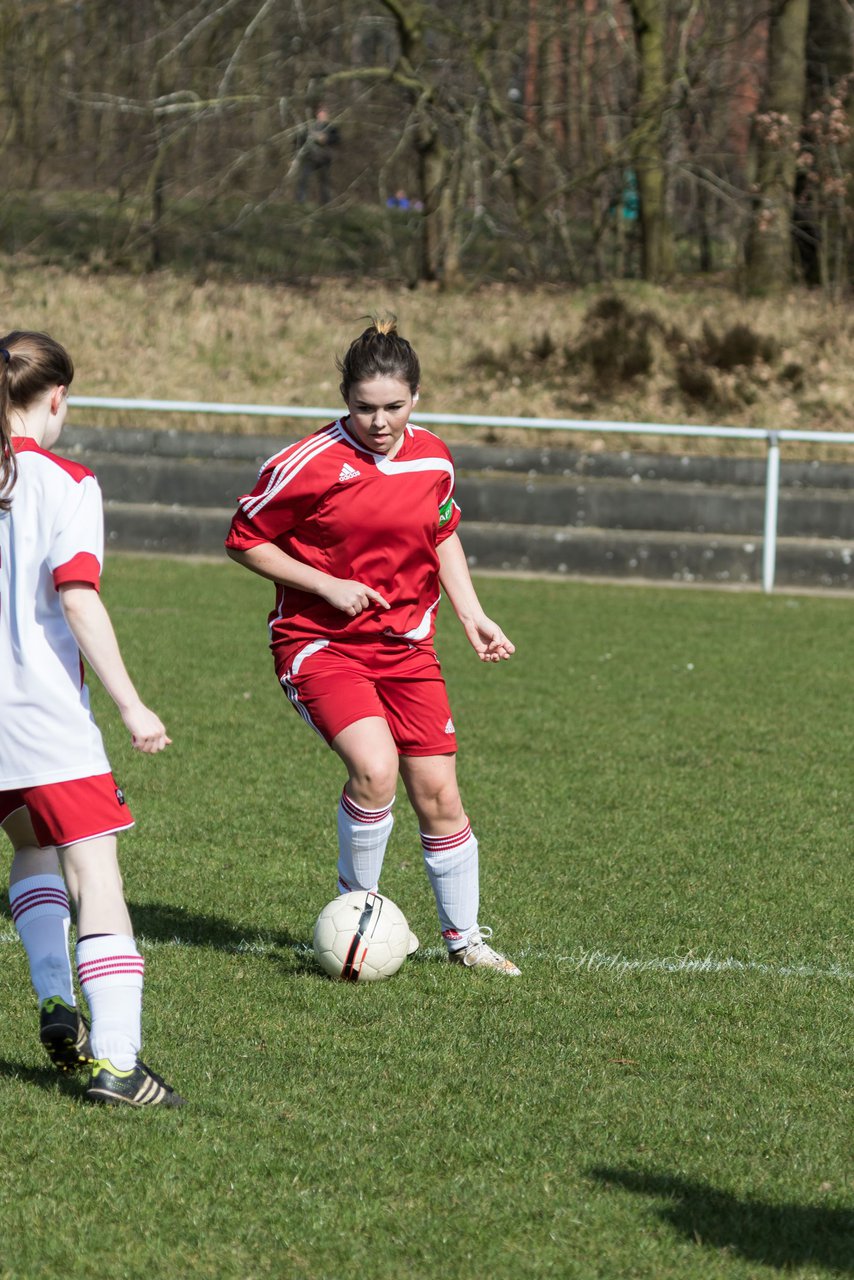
(360, 937)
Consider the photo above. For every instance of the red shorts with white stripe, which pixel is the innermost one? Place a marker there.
(333, 685)
(65, 812)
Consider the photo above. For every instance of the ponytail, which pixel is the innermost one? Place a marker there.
(30, 364)
(379, 352)
(8, 465)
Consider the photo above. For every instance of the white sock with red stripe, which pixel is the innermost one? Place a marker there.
(42, 917)
(362, 838)
(452, 867)
(110, 970)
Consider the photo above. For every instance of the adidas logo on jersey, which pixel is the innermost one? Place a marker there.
(348, 472)
(449, 727)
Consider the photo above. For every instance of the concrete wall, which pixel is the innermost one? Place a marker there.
(524, 508)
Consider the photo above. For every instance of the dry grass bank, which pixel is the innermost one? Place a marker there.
(497, 350)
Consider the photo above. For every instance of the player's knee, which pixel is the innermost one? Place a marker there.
(374, 785)
(442, 804)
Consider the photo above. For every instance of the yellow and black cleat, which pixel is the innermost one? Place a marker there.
(65, 1035)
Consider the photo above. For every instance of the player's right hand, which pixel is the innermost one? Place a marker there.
(352, 598)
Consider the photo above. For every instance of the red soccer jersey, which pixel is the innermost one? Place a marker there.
(333, 504)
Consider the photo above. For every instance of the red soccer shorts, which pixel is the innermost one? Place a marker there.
(333, 685)
(65, 812)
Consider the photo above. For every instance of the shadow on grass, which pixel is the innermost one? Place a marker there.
(43, 1077)
(166, 924)
(776, 1235)
(162, 922)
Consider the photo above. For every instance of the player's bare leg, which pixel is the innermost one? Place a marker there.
(365, 818)
(451, 859)
(110, 969)
(91, 869)
(368, 751)
(364, 812)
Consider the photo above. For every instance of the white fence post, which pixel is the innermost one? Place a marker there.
(772, 502)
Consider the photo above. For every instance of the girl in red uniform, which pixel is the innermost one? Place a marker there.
(59, 803)
(356, 526)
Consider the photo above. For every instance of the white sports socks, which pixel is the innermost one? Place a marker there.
(362, 838)
(110, 970)
(452, 868)
(42, 917)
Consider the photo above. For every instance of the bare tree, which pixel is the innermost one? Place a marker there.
(649, 18)
(778, 129)
(515, 128)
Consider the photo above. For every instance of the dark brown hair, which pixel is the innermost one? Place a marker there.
(379, 352)
(30, 364)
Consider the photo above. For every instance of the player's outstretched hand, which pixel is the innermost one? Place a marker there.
(488, 640)
(147, 734)
(352, 598)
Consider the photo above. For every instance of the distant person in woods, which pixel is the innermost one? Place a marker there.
(316, 142)
(59, 802)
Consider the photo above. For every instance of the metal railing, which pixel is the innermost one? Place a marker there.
(772, 438)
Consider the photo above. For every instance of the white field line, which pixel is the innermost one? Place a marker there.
(579, 961)
(596, 961)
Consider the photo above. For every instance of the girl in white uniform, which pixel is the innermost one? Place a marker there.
(59, 803)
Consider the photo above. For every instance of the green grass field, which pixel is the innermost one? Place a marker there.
(660, 783)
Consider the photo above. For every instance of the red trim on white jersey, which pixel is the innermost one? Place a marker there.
(53, 533)
(84, 567)
(75, 470)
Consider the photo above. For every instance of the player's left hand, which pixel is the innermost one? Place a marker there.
(146, 730)
(488, 640)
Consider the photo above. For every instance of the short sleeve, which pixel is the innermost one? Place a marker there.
(288, 489)
(242, 534)
(449, 517)
(77, 543)
(449, 513)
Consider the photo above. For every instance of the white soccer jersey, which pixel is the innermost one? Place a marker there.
(54, 533)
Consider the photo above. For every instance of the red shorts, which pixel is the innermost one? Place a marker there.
(65, 812)
(333, 685)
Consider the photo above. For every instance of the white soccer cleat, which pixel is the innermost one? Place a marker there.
(476, 954)
(414, 944)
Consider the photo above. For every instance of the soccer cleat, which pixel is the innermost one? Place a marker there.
(414, 944)
(139, 1087)
(64, 1034)
(476, 954)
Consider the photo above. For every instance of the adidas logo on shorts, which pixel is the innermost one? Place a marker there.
(449, 727)
(348, 472)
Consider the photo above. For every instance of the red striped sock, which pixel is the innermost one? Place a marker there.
(452, 867)
(111, 971)
(40, 910)
(362, 838)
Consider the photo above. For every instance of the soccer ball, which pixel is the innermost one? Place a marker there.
(361, 937)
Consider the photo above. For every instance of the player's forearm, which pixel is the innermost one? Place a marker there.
(456, 580)
(271, 562)
(91, 627)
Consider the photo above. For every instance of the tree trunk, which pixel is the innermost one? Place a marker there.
(823, 206)
(431, 185)
(649, 20)
(777, 133)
